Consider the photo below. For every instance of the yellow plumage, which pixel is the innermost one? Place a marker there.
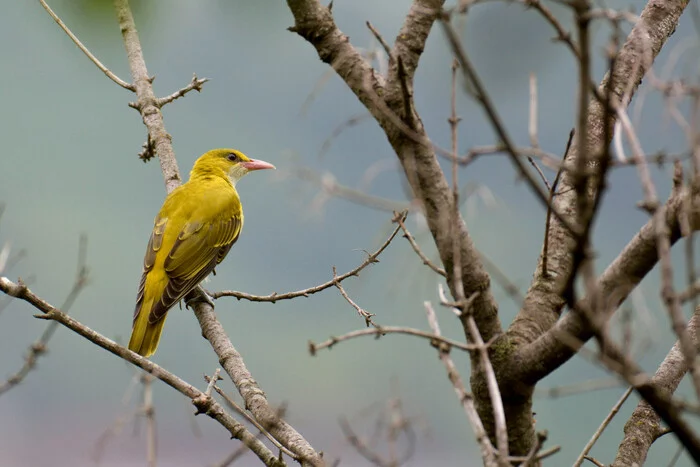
(194, 230)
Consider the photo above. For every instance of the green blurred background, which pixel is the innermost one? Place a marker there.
(68, 166)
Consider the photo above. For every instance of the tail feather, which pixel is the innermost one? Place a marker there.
(145, 336)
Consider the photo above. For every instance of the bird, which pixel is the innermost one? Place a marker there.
(194, 230)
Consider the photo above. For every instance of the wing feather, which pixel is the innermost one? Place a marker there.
(154, 245)
(198, 249)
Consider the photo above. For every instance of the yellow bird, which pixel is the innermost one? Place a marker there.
(193, 232)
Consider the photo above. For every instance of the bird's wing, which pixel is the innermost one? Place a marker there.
(199, 247)
(154, 245)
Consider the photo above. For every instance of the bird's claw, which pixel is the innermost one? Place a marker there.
(198, 295)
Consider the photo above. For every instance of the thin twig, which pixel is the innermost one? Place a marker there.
(274, 297)
(39, 347)
(253, 395)
(195, 84)
(380, 331)
(407, 235)
(348, 123)
(381, 41)
(486, 367)
(594, 461)
(658, 213)
(552, 193)
(212, 381)
(475, 82)
(85, 50)
(243, 449)
(602, 427)
(232, 405)
(360, 311)
(465, 398)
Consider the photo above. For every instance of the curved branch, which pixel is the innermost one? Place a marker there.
(85, 50)
(274, 296)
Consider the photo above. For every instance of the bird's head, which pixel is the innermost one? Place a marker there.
(230, 163)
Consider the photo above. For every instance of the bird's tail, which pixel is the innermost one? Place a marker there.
(145, 335)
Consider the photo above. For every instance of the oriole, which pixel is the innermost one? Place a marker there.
(194, 230)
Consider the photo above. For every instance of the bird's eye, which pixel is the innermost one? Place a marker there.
(233, 157)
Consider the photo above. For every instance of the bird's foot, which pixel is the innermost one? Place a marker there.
(198, 295)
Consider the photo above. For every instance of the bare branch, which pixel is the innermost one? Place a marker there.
(486, 369)
(195, 84)
(485, 101)
(147, 103)
(39, 348)
(407, 235)
(602, 427)
(274, 297)
(644, 425)
(243, 449)
(360, 311)
(379, 331)
(254, 397)
(210, 407)
(85, 50)
(465, 398)
(543, 304)
(232, 405)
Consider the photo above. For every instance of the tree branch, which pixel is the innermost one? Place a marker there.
(254, 397)
(85, 50)
(387, 102)
(644, 425)
(544, 302)
(196, 85)
(204, 404)
(274, 296)
(147, 103)
(534, 361)
(38, 348)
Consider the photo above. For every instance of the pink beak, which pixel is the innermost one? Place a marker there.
(257, 165)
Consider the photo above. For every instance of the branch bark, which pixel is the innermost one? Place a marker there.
(644, 426)
(147, 102)
(204, 403)
(254, 397)
(518, 356)
(544, 302)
